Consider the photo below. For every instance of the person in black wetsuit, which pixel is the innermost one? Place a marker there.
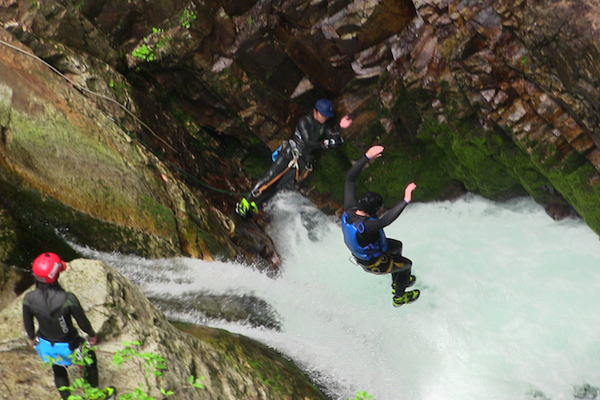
(364, 235)
(56, 337)
(293, 160)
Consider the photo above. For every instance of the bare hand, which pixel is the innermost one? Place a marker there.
(374, 152)
(345, 122)
(93, 340)
(408, 192)
(32, 342)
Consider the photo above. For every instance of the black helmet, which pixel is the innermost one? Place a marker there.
(370, 202)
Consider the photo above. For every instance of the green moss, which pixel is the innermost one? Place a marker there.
(389, 174)
(329, 171)
(491, 164)
(581, 188)
(256, 164)
(213, 244)
(42, 223)
(398, 167)
(52, 131)
(256, 362)
(8, 237)
(472, 156)
(163, 215)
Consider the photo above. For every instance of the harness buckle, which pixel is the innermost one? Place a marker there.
(295, 153)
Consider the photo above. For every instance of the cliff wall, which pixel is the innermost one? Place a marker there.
(171, 109)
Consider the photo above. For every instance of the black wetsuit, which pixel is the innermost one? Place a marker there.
(53, 308)
(391, 261)
(308, 136)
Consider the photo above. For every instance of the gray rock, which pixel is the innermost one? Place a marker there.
(233, 367)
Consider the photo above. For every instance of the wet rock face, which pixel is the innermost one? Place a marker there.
(520, 68)
(495, 97)
(510, 68)
(233, 308)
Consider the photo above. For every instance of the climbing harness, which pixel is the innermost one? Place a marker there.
(292, 164)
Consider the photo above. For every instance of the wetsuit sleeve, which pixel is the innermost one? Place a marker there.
(79, 315)
(350, 185)
(331, 133)
(28, 322)
(303, 129)
(387, 218)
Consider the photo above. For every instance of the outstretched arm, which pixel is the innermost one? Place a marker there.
(345, 122)
(333, 138)
(350, 185)
(393, 213)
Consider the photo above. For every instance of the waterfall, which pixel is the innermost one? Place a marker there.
(509, 305)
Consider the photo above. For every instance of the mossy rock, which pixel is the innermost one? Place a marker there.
(42, 224)
(283, 378)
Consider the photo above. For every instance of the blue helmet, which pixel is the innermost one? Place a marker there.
(324, 107)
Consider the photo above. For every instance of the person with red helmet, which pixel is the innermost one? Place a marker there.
(54, 309)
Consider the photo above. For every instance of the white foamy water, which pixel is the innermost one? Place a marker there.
(509, 307)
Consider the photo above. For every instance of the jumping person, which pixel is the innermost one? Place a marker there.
(364, 236)
(293, 160)
(56, 338)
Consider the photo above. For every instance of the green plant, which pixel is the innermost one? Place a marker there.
(153, 365)
(362, 395)
(146, 50)
(143, 52)
(186, 18)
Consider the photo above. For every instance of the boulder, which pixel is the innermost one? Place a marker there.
(120, 312)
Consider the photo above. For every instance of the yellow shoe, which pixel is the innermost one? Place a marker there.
(246, 208)
(253, 208)
(406, 298)
(108, 393)
(242, 207)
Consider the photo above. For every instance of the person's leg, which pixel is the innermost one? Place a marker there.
(286, 180)
(401, 276)
(402, 267)
(90, 372)
(283, 182)
(250, 205)
(402, 279)
(271, 191)
(276, 168)
(61, 378)
(394, 246)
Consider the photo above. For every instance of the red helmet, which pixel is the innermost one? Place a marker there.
(47, 267)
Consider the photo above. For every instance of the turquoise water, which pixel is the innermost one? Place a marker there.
(510, 305)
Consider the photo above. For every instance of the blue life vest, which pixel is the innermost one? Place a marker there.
(58, 353)
(368, 252)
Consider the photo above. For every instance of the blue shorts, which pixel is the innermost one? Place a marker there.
(57, 353)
